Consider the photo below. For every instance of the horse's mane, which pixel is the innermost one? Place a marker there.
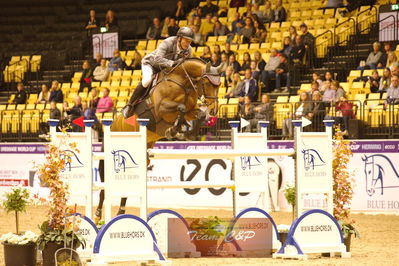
(195, 59)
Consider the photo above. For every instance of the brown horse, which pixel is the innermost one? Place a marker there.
(171, 102)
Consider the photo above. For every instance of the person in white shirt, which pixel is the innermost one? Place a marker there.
(101, 72)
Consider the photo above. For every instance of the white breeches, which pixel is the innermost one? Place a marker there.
(147, 73)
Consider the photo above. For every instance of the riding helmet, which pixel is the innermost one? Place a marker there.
(186, 32)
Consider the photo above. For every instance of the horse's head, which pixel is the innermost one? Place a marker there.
(371, 174)
(116, 158)
(306, 159)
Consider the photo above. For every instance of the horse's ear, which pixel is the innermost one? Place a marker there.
(364, 158)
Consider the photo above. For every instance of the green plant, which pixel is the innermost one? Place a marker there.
(59, 236)
(209, 227)
(290, 194)
(348, 229)
(16, 200)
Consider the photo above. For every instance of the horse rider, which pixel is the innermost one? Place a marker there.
(170, 53)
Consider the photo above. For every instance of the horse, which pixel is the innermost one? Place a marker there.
(375, 167)
(312, 158)
(170, 103)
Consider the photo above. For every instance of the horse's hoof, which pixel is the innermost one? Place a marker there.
(126, 111)
(121, 211)
(168, 134)
(97, 216)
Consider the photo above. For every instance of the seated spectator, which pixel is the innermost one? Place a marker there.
(209, 8)
(206, 27)
(307, 40)
(228, 81)
(155, 30)
(246, 64)
(237, 24)
(248, 11)
(393, 92)
(326, 83)
(247, 31)
(303, 110)
(87, 76)
(287, 47)
(55, 113)
(93, 99)
(220, 29)
(298, 51)
(395, 69)
(293, 33)
(392, 59)
(262, 112)
(228, 50)
(314, 87)
(235, 88)
(316, 78)
(75, 112)
(165, 28)
(136, 63)
(249, 86)
(116, 62)
(232, 62)
(173, 28)
(56, 94)
(215, 60)
(206, 54)
(385, 80)
(269, 71)
(384, 57)
(268, 13)
(339, 91)
(318, 111)
(329, 94)
(256, 11)
(282, 73)
(97, 61)
(217, 50)
(105, 103)
(260, 33)
(92, 22)
(255, 71)
(224, 62)
(101, 72)
(20, 96)
(374, 81)
(89, 113)
(197, 21)
(280, 14)
(260, 63)
(179, 12)
(237, 3)
(246, 110)
(198, 41)
(44, 95)
(111, 21)
(372, 59)
(344, 112)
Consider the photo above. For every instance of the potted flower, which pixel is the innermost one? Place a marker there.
(283, 232)
(19, 248)
(343, 187)
(57, 230)
(205, 234)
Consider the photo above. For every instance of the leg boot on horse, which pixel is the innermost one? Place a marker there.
(138, 94)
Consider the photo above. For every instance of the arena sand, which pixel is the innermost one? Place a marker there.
(378, 245)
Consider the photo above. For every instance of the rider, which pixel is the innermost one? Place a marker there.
(171, 52)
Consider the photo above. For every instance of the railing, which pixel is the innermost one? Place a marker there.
(364, 22)
(388, 30)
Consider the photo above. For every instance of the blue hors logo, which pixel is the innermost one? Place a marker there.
(123, 160)
(312, 158)
(249, 161)
(380, 173)
(71, 160)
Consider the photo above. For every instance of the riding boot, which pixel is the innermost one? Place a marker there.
(138, 93)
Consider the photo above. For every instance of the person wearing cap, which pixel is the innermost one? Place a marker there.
(170, 53)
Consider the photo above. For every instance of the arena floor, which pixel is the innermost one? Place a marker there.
(378, 244)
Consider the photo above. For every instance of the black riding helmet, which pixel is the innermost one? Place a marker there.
(186, 32)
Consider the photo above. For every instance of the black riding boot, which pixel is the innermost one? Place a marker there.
(138, 93)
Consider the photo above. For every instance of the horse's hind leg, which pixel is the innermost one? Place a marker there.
(98, 214)
(122, 206)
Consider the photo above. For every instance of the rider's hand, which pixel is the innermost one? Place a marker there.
(178, 62)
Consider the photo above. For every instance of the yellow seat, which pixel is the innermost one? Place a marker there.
(116, 75)
(77, 76)
(282, 99)
(20, 107)
(11, 107)
(151, 45)
(305, 87)
(75, 86)
(115, 84)
(294, 99)
(141, 45)
(105, 84)
(357, 85)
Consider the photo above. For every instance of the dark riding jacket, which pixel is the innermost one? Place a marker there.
(166, 54)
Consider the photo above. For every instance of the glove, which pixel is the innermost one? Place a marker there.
(178, 62)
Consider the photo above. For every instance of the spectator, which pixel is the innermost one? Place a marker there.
(220, 29)
(393, 92)
(87, 76)
(329, 94)
(224, 62)
(206, 54)
(56, 94)
(374, 81)
(228, 50)
(260, 33)
(344, 112)
(303, 110)
(136, 63)
(268, 13)
(384, 57)
(256, 11)
(372, 59)
(209, 8)
(165, 28)
(20, 96)
(249, 86)
(92, 23)
(206, 27)
(395, 69)
(292, 33)
(111, 21)
(307, 39)
(235, 88)
(326, 83)
(74, 113)
(385, 80)
(318, 111)
(55, 113)
(339, 91)
(262, 112)
(105, 103)
(94, 99)
(316, 77)
(179, 12)
(248, 12)
(246, 64)
(287, 47)
(228, 81)
(101, 72)
(232, 62)
(44, 95)
(173, 28)
(282, 73)
(237, 24)
(197, 21)
(215, 61)
(217, 50)
(260, 63)
(247, 31)
(88, 113)
(314, 87)
(155, 30)
(116, 62)
(269, 71)
(97, 61)
(246, 110)
(197, 37)
(255, 71)
(237, 3)
(392, 59)
(280, 14)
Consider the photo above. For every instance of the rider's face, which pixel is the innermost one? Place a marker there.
(185, 43)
